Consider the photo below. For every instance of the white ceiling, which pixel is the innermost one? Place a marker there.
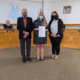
(43, 0)
(48, 0)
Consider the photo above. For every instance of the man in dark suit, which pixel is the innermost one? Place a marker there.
(25, 27)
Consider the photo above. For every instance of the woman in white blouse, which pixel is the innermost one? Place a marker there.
(56, 34)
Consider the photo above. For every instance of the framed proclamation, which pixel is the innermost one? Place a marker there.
(42, 31)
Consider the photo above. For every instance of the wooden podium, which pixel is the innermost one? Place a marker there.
(10, 38)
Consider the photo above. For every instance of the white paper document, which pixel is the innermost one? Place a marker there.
(42, 31)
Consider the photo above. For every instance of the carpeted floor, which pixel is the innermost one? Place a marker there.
(67, 67)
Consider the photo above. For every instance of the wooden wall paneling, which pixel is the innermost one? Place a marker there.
(71, 38)
(2, 39)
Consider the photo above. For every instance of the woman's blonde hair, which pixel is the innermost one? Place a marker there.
(24, 9)
(44, 19)
(9, 22)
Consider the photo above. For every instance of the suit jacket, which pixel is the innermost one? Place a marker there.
(60, 27)
(5, 26)
(21, 28)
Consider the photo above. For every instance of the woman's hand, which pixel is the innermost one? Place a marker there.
(46, 30)
(53, 35)
(36, 29)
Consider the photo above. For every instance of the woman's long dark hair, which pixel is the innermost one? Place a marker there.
(56, 14)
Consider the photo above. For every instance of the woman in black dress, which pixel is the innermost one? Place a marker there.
(7, 25)
(56, 34)
(40, 41)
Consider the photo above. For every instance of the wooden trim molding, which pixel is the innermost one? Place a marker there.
(72, 24)
(65, 24)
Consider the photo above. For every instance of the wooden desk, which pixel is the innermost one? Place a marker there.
(71, 39)
(9, 39)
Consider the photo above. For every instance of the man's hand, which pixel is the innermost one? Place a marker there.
(26, 34)
(53, 35)
(24, 31)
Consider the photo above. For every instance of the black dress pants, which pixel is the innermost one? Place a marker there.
(28, 47)
(55, 44)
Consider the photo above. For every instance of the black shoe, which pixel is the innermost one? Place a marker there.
(38, 59)
(24, 60)
(29, 59)
(42, 59)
